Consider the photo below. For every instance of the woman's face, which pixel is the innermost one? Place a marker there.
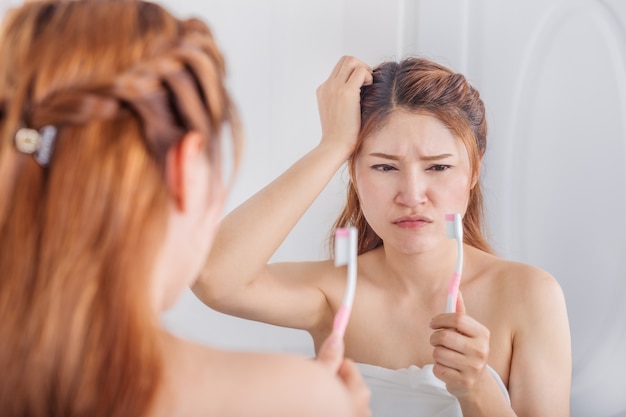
(409, 175)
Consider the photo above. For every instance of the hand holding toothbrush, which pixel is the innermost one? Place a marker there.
(461, 350)
(332, 350)
(331, 356)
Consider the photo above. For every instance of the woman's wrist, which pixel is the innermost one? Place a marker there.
(335, 149)
(485, 399)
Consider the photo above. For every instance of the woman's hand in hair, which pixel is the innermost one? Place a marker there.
(339, 99)
(330, 355)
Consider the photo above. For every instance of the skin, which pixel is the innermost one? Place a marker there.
(409, 174)
(272, 385)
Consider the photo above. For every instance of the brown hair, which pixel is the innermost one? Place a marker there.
(122, 81)
(422, 86)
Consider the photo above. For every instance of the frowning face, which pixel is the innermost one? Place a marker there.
(409, 175)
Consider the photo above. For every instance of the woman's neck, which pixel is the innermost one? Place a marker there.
(426, 272)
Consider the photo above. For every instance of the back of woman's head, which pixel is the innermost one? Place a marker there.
(422, 86)
(121, 82)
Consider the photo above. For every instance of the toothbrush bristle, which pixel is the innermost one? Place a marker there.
(453, 226)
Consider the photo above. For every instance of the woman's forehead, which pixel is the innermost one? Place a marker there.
(405, 131)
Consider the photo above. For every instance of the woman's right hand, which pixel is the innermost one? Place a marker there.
(330, 356)
(338, 100)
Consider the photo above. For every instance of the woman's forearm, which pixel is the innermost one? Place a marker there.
(250, 234)
(488, 401)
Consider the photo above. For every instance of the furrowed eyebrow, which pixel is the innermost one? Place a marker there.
(385, 156)
(423, 158)
(436, 157)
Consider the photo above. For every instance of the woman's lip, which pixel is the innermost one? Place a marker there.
(411, 222)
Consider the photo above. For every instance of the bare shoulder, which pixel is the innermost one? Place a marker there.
(517, 279)
(277, 385)
(519, 287)
(225, 383)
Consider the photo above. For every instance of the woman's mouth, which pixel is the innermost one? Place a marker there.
(412, 222)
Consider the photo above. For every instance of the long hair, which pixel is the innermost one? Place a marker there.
(122, 81)
(422, 86)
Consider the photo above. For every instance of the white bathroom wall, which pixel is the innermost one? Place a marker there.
(560, 193)
(553, 76)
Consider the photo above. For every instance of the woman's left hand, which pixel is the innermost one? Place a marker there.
(461, 350)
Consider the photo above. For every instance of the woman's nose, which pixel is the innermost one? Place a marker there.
(411, 190)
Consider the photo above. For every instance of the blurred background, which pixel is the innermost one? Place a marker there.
(552, 74)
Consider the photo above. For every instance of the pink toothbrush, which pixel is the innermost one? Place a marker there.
(345, 254)
(454, 230)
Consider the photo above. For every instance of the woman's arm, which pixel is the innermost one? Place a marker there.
(199, 380)
(330, 386)
(540, 371)
(541, 367)
(236, 279)
(256, 384)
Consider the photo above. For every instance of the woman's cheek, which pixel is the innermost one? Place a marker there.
(458, 190)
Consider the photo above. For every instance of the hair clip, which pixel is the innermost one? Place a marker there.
(37, 143)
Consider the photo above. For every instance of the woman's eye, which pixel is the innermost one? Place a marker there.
(439, 167)
(383, 167)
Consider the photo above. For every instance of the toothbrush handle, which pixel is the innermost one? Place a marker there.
(341, 320)
(453, 292)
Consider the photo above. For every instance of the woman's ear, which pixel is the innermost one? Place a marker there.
(181, 166)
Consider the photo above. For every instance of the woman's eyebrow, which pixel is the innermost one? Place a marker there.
(422, 157)
(435, 157)
(385, 156)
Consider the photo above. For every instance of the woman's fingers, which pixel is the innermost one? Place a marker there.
(359, 392)
(330, 355)
(459, 352)
(347, 67)
(460, 349)
(339, 103)
(360, 76)
(460, 303)
(460, 322)
(331, 352)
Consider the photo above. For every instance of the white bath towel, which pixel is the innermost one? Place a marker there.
(412, 392)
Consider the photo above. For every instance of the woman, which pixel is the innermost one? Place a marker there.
(111, 118)
(414, 141)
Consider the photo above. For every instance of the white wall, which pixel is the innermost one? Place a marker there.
(5, 4)
(553, 76)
